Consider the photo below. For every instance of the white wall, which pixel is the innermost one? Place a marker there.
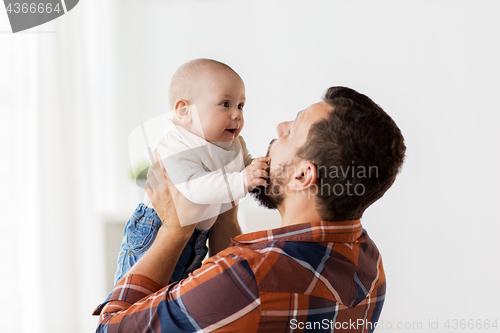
(433, 66)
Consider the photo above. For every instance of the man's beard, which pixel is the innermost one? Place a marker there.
(272, 195)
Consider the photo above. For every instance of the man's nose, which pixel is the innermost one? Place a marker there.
(283, 128)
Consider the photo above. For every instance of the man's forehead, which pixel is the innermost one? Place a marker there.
(303, 113)
(315, 111)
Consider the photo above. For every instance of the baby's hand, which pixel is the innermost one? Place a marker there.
(256, 173)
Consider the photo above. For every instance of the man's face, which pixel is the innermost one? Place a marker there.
(282, 153)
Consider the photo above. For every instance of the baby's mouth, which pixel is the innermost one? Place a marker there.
(231, 130)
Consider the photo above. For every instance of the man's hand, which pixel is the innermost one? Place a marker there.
(256, 173)
(158, 191)
(159, 261)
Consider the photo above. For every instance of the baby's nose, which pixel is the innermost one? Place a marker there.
(283, 128)
(237, 115)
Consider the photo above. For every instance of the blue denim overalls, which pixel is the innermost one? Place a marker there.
(140, 232)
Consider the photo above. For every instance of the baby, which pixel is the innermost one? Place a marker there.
(206, 160)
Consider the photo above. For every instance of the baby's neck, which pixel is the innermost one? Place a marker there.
(177, 122)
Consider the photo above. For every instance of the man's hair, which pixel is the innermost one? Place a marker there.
(358, 147)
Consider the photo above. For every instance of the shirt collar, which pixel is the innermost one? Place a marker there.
(322, 231)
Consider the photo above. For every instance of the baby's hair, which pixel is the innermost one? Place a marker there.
(186, 74)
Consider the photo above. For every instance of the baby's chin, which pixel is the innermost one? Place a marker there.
(226, 139)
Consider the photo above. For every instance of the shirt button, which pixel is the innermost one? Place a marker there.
(129, 253)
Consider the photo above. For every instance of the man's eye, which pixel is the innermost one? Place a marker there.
(240, 106)
(225, 104)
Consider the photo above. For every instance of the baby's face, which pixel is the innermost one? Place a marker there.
(219, 100)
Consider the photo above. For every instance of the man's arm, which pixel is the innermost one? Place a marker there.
(221, 296)
(159, 261)
(224, 229)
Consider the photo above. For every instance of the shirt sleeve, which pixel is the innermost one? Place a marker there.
(221, 296)
(214, 187)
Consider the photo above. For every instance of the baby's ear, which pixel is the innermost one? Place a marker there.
(182, 112)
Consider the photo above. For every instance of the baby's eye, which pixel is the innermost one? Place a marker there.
(225, 104)
(240, 106)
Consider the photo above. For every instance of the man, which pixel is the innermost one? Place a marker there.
(318, 272)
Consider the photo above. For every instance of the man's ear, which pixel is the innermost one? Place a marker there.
(182, 112)
(305, 176)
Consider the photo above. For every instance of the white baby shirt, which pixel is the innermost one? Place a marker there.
(210, 177)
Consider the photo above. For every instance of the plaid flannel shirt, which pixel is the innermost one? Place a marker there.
(310, 277)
